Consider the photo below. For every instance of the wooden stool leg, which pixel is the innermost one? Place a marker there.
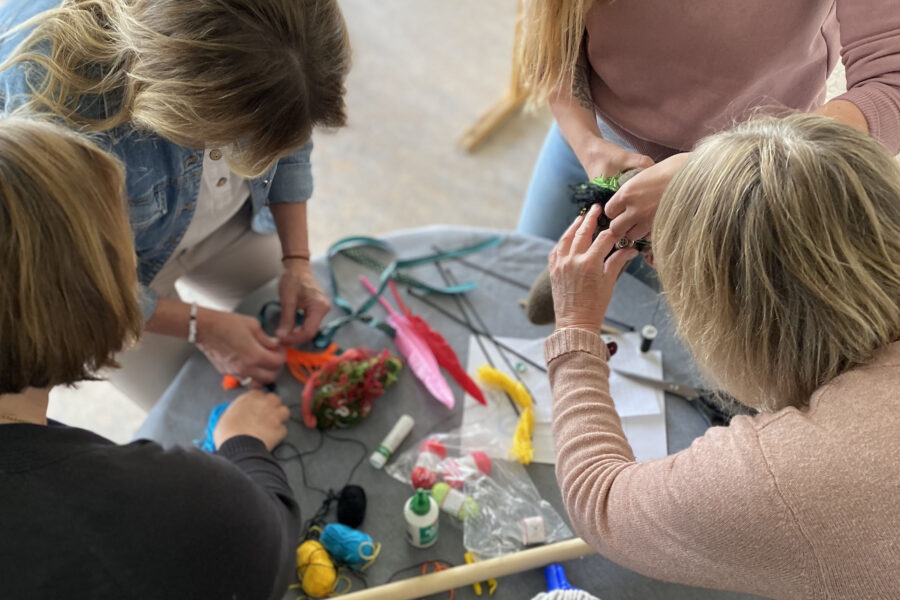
(511, 101)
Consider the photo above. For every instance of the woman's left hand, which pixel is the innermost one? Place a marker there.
(633, 207)
(298, 289)
(582, 282)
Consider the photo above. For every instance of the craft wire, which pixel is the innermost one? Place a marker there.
(465, 300)
(477, 332)
(465, 315)
(493, 274)
(439, 565)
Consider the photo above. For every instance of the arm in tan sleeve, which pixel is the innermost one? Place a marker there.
(708, 516)
(870, 50)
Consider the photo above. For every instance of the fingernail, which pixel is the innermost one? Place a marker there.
(280, 332)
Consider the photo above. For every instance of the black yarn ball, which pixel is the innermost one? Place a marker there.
(351, 507)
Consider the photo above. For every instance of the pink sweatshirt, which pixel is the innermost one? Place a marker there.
(666, 74)
(795, 504)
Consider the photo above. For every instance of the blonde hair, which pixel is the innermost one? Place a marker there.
(252, 75)
(778, 244)
(68, 301)
(549, 45)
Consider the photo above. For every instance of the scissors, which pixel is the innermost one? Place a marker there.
(717, 412)
(679, 389)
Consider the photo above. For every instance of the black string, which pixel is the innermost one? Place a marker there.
(330, 495)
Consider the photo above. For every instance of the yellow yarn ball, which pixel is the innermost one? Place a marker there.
(315, 569)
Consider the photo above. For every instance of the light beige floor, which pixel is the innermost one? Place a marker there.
(423, 71)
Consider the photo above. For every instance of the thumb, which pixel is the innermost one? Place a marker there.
(637, 161)
(288, 316)
(267, 342)
(618, 260)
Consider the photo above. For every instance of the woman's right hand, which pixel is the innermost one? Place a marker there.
(236, 345)
(601, 158)
(256, 414)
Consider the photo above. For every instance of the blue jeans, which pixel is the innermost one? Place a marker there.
(549, 210)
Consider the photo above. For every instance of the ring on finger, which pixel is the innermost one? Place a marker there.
(246, 381)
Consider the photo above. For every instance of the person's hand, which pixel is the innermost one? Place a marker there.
(237, 345)
(298, 289)
(581, 281)
(633, 207)
(606, 159)
(255, 414)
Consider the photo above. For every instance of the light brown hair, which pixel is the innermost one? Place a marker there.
(550, 43)
(68, 301)
(778, 244)
(255, 76)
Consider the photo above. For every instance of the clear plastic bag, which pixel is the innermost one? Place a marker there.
(491, 498)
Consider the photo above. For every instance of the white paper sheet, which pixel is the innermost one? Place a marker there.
(642, 408)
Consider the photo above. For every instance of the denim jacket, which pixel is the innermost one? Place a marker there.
(162, 178)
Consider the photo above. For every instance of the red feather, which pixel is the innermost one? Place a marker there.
(441, 349)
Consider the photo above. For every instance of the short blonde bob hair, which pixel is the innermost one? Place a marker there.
(778, 245)
(253, 76)
(68, 302)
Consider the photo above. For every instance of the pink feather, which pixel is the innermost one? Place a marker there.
(418, 354)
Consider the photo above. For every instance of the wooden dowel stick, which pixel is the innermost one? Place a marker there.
(433, 583)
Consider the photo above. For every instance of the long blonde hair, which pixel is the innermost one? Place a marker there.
(549, 45)
(778, 244)
(252, 75)
(68, 302)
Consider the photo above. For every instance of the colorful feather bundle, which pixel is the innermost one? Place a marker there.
(341, 392)
(415, 349)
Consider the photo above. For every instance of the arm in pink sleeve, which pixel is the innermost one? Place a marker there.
(708, 516)
(870, 49)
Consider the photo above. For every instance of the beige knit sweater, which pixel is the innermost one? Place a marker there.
(795, 504)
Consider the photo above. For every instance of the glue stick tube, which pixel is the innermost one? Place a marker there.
(391, 441)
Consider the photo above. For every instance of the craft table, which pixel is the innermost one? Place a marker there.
(180, 416)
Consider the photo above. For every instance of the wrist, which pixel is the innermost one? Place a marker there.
(205, 322)
(586, 324)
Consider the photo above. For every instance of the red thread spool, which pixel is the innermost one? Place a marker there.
(424, 474)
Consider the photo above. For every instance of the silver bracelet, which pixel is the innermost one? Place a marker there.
(192, 325)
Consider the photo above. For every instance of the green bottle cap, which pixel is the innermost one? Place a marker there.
(421, 502)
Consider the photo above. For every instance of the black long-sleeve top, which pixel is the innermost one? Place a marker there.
(82, 517)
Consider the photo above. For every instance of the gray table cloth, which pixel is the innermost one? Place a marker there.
(181, 415)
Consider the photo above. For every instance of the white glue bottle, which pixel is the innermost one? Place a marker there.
(393, 439)
(421, 513)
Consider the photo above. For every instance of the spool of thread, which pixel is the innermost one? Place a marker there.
(456, 471)
(351, 506)
(454, 502)
(349, 546)
(648, 334)
(533, 530)
(392, 441)
(424, 473)
(421, 513)
(315, 569)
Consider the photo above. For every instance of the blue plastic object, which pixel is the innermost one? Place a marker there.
(556, 578)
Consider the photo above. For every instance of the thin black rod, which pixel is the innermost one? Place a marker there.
(484, 351)
(487, 271)
(463, 301)
(477, 332)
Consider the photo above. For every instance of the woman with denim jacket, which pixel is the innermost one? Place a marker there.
(211, 107)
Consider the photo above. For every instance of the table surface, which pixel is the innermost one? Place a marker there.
(180, 416)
